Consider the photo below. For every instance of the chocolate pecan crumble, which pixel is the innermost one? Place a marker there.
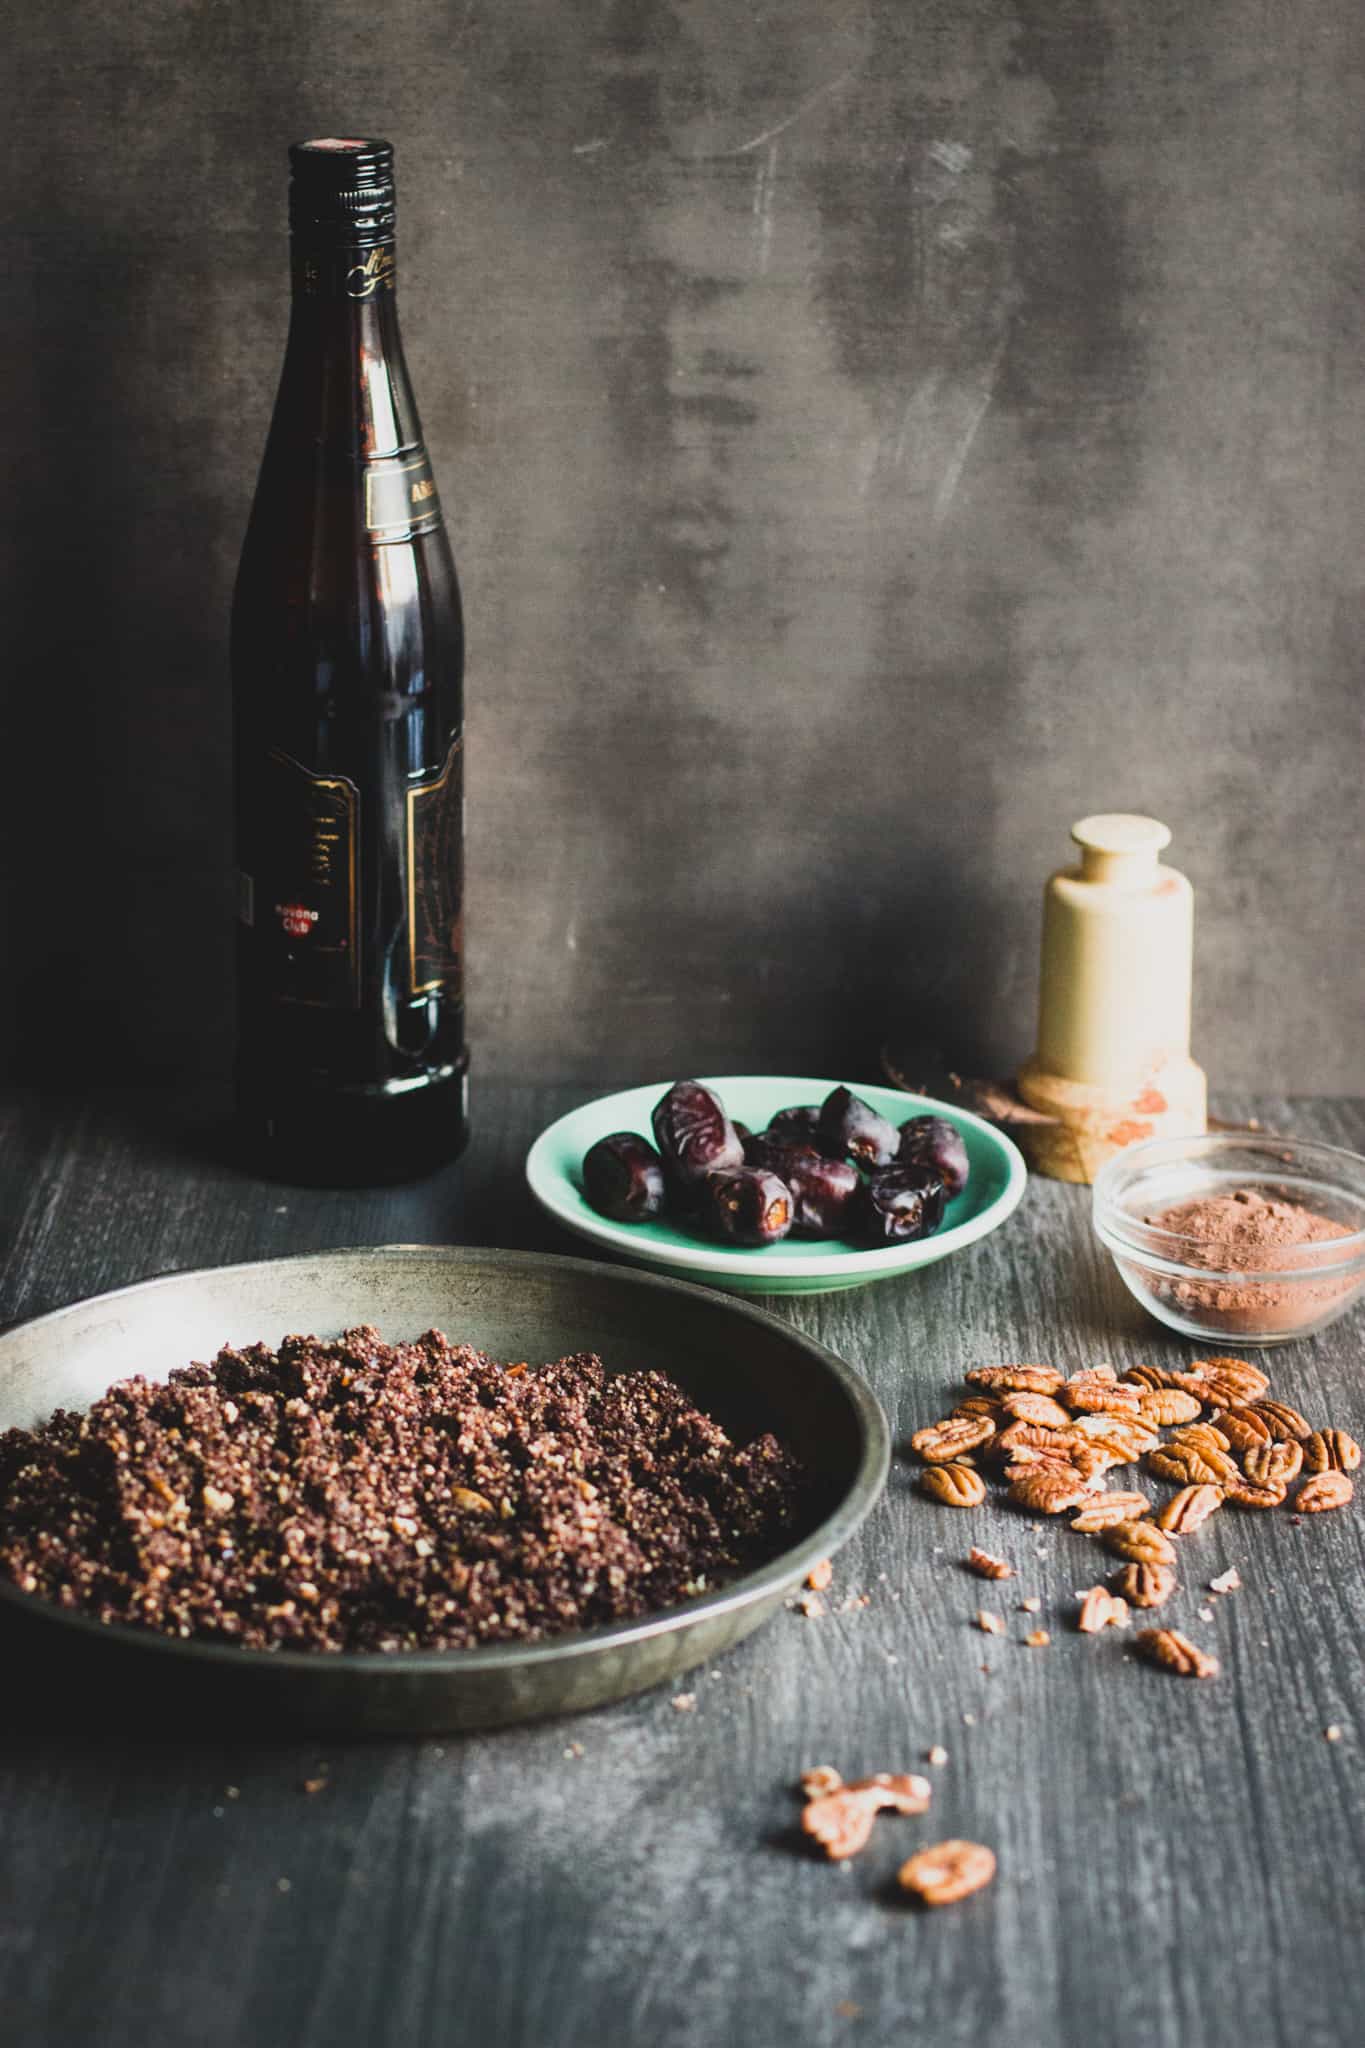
(355, 1495)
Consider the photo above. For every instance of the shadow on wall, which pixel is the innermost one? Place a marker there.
(115, 854)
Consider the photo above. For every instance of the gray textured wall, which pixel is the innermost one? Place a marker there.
(874, 434)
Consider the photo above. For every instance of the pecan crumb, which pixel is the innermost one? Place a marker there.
(988, 1567)
(1033, 1605)
(990, 1624)
(819, 1575)
(937, 1755)
(1226, 1582)
(1332, 1733)
(685, 1702)
(1039, 1639)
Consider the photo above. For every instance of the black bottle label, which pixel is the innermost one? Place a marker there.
(301, 900)
(435, 880)
(400, 497)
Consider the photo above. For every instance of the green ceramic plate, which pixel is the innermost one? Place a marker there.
(797, 1265)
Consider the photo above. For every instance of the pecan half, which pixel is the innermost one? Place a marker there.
(1330, 1489)
(1035, 1436)
(1124, 1435)
(987, 1567)
(1244, 1427)
(1107, 1508)
(946, 1440)
(1140, 1542)
(1145, 1585)
(841, 1820)
(1190, 1467)
(1201, 1436)
(1036, 1408)
(1097, 1392)
(1282, 1420)
(1275, 1464)
(1243, 1494)
(1189, 1509)
(1048, 1489)
(946, 1873)
(1165, 1406)
(1156, 1376)
(1100, 1609)
(1330, 1450)
(980, 1404)
(1244, 1383)
(1016, 1379)
(1175, 1653)
(954, 1486)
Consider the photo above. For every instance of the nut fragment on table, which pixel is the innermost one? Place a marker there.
(948, 1872)
(1176, 1653)
(987, 1567)
(1100, 1609)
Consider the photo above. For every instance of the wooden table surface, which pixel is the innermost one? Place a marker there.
(1178, 1864)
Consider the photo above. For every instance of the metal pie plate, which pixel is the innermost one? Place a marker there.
(740, 1364)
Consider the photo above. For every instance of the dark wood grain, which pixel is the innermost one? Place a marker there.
(1180, 1866)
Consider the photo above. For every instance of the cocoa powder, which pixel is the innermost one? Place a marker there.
(1245, 1232)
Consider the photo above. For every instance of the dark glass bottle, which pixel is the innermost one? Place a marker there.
(347, 669)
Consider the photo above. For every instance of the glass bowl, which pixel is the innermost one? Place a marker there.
(1179, 1278)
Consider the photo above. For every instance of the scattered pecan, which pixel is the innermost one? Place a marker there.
(1190, 1467)
(990, 1624)
(1097, 1392)
(1330, 1489)
(1244, 1427)
(819, 1575)
(946, 1440)
(1189, 1509)
(1243, 1383)
(1125, 1436)
(1175, 1653)
(819, 1779)
(1145, 1585)
(1099, 1610)
(980, 1404)
(1153, 1377)
(1039, 1639)
(1243, 1494)
(1201, 1436)
(1037, 1408)
(1107, 1508)
(946, 1873)
(1139, 1542)
(1330, 1450)
(1282, 1420)
(987, 1567)
(1048, 1490)
(1016, 1379)
(1163, 1407)
(954, 1486)
(1274, 1464)
(1023, 1435)
(841, 1820)
(1226, 1582)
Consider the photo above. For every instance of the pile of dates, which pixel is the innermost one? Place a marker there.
(822, 1169)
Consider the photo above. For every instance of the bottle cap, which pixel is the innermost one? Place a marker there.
(1120, 846)
(342, 188)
